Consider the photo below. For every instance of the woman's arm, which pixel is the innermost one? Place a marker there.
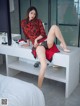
(42, 30)
(27, 44)
(39, 37)
(36, 40)
(42, 33)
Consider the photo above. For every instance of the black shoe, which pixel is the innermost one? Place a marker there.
(37, 64)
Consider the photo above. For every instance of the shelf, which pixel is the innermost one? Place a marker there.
(58, 73)
(65, 72)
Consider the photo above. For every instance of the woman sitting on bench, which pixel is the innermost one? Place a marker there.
(43, 45)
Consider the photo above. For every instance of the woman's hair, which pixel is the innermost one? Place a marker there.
(30, 9)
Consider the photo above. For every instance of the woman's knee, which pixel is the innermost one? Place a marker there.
(40, 48)
(54, 26)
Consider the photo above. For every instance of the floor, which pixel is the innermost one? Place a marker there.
(53, 91)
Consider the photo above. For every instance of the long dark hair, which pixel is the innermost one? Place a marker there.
(30, 9)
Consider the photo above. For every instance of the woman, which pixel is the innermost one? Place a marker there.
(43, 45)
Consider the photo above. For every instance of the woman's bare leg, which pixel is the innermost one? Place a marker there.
(55, 32)
(41, 55)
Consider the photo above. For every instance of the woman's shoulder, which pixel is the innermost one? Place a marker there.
(23, 20)
(39, 20)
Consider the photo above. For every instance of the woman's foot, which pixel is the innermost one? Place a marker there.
(65, 49)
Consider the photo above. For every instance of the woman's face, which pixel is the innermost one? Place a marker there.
(32, 15)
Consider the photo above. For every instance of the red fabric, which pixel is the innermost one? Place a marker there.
(33, 29)
(49, 52)
(21, 40)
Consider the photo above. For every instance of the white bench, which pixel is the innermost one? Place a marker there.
(67, 73)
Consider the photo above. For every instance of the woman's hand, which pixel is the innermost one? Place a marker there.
(36, 43)
(25, 45)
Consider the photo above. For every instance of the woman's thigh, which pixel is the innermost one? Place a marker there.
(41, 54)
(51, 37)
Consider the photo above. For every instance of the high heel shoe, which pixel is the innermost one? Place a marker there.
(64, 49)
(37, 64)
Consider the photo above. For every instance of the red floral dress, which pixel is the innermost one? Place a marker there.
(32, 30)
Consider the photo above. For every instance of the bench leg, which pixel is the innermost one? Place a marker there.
(72, 76)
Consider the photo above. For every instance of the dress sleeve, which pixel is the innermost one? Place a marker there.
(42, 30)
(23, 26)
